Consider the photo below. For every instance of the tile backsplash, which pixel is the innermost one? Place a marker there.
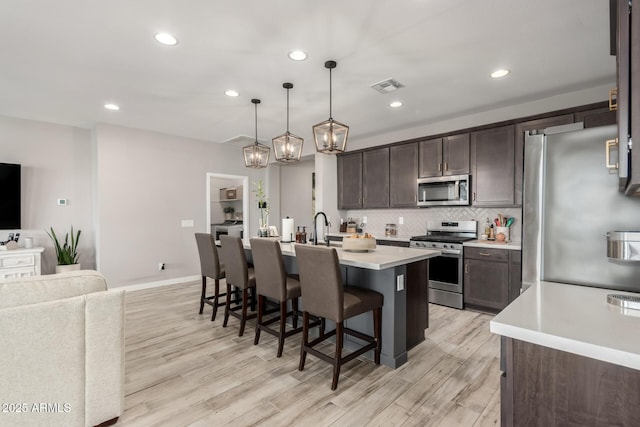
(415, 220)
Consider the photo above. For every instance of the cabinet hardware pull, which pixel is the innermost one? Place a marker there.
(613, 99)
(474, 196)
(439, 167)
(466, 267)
(446, 166)
(610, 143)
(484, 254)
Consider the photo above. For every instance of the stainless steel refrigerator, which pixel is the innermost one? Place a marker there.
(570, 202)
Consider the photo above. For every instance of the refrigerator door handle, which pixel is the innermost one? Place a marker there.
(609, 144)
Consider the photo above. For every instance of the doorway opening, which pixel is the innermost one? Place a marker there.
(227, 204)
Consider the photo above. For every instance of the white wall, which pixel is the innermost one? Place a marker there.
(56, 163)
(147, 184)
(295, 193)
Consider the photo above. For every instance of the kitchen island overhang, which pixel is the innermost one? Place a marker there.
(384, 270)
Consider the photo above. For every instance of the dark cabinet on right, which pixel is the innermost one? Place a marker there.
(444, 156)
(627, 50)
(492, 167)
(492, 277)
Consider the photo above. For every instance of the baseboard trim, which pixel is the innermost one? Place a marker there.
(148, 285)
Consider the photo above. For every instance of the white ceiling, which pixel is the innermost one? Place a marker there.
(62, 60)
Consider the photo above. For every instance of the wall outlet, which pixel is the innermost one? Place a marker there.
(185, 223)
(400, 282)
(161, 266)
(364, 219)
(400, 220)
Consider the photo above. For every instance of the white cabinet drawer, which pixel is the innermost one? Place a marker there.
(17, 261)
(16, 273)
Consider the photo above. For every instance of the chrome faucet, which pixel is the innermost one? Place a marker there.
(315, 228)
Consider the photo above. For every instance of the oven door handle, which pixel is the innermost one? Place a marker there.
(454, 252)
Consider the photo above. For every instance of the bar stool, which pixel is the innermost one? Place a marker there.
(238, 274)
(272, 281)
(210, 267)
(323, 295)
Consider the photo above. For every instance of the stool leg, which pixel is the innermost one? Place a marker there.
(377, 333)
(337, 360)
(259, 319)
(294, 306)
(245, 303)
(203, 294)
(216, 298)
(283, 326)
(227, 306)
(322, 326)
(305, 340)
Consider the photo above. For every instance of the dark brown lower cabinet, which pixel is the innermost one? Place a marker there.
(492, 278)
(541, 386)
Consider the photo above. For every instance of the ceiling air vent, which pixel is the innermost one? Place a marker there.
(386, 86)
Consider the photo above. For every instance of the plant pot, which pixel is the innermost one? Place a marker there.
(67, 267)
(228, 216)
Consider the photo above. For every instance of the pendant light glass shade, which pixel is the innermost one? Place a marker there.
(330, 136)
(287, 147)
(256, 155)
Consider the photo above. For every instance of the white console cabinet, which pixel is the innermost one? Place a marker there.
(20, 262)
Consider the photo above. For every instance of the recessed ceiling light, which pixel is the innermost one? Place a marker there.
(166, 39)
(500, 73)
(112, 107)
(231, 92)
(298, 55)
(395, 104)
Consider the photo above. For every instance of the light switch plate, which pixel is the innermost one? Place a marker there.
(400, 220)
(400, 282)
(186, 223)
(364, 219)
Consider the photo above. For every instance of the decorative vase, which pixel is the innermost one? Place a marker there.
(263, 232)
(228, 216)
(67, 267)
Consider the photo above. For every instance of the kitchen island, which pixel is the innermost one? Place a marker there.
(385, 270)
(569, 358)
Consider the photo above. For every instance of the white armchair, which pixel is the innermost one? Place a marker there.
(61, 350)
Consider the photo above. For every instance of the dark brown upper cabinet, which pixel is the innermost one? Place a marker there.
(375, 178)
(403, 175)
(493, 167)
(444, 156)
(350, 181)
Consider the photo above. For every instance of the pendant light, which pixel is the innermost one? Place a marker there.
(330, 135)
(256, 156)
(287, 147)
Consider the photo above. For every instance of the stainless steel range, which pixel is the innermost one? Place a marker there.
(445, 271)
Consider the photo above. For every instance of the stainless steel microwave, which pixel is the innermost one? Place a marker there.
(444, 190)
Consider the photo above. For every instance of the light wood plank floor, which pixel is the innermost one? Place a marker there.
(184, 370)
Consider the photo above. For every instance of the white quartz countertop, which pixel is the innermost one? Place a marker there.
(575, 319)
(380, 258)
(493, 244)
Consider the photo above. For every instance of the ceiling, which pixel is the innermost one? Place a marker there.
(62, 61)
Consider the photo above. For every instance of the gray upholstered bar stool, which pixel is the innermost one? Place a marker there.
(272, 281)
(238, 274)
(210, 267)
(324, 295)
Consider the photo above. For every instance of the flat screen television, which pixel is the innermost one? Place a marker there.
(9, 196)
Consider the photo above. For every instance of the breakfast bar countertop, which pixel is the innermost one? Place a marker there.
(575, 319)
(380, 258)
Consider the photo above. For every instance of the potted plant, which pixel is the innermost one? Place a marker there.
(228, 212)
(262, 206)
(67, 252)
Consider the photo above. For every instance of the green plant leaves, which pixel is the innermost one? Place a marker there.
(67, 253)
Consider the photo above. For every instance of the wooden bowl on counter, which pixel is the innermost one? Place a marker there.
(358, 243)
